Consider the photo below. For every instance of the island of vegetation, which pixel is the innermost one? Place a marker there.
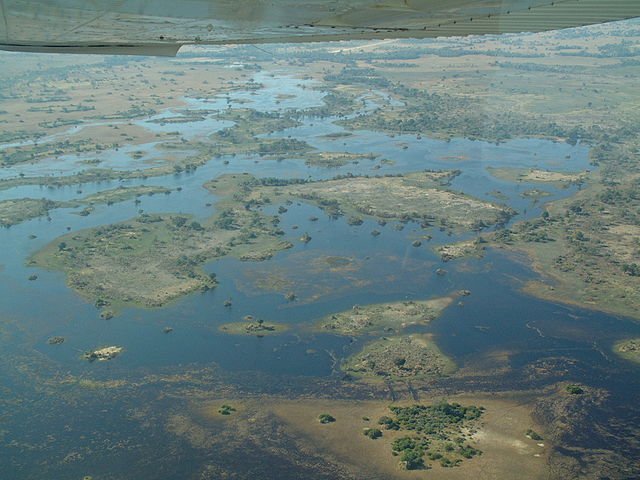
(226, 409)
(13, 212)
(335, 159)
(441, 433)
(535, 194)
(585, 248)
(152, 260)
(243, 135)
(467, 248)
(419, 196)
(629, 349)
(253, 326)
(326, 418)
(387, 317)
(400, 356)
(122, 193)
(533, 175)
(104, 353)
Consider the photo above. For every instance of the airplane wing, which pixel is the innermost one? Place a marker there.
(161, 27)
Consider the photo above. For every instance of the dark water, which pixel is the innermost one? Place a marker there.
(494, 318)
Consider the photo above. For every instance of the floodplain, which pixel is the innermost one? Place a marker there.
(295, 258)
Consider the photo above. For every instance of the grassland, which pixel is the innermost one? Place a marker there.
(418, 196)
(383, 316)
(506, 452)
(532, 175)
(46, 99)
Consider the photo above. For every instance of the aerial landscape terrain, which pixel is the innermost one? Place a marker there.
(397, 259)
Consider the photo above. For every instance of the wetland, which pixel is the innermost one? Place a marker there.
(206, 257)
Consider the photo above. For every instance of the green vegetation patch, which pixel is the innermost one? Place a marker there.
(226, 410)
(253, 327)
(121, 194)
(372, 433)
(243, 136)
(533, 435)
(629, 349)
(574, 389)
(384, 316)
(152, 260)
(586, 247)
(535, 194)
(402, 356)
(468, 248)
(326, 418)
(13, 212)
(440, 432)
(335, 159)
(532, 175)
(418, 196)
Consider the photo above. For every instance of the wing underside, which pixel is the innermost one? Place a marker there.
(159, 27)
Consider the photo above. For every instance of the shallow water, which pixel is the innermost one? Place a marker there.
(495, 317)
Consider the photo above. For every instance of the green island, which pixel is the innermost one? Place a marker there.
(335, 159)
(533, 175)
(629, 349)
(535, 194)
(399, 356)
(37, 152)
(387, 317)
(242, 136)
(226, 409)
(584, 247)
(152, 260)
(442, 432)
(253, 326)
(122, 194)
(417, 196)
(326, 418)
(103, 354)
(336, 135)
(533, 435)
(467, 248)
(13, 212)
